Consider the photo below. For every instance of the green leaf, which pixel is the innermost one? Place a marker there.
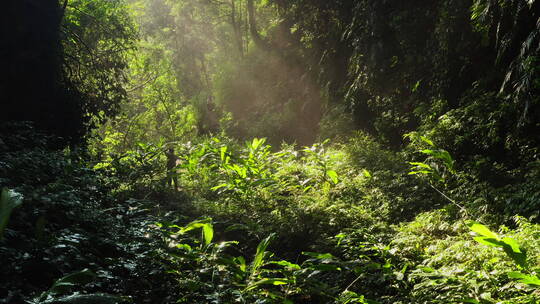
(286, 264)
(206, 225)
(184, 247)
(219, 187)
(422, 165)
(524, 278)
(366, 173)
(427, 141)
(269, 281)
(223, 151)
(489, 241)
(482, 230)
(256, 143)
(66, 283)
(259, 255)
(520, 258)
(512, 250)
(420, 172)
(514, 246)
(235, 227)
(427, 269)
(241, 262)
(208, 231)
(509, 245)
(333, 176)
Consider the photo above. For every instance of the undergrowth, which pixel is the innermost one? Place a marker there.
(342, 223)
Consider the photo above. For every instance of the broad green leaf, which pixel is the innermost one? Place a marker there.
(223, 153)
(422, 165)
(428, 152)
(524, 278)
(366, 173)
(427, 140)
(511, 248)
(184, 246)
(520, 258)
(517, 275)
(206, 225)
(259, 255)
(234, 227)
(482, 230)
(514, 246)
(286, 264)
(420, 172)
(241, 262)
(65, 283)
(427, 269)
(269, 281)
(219, 187)
(509, 245)
(208, 231)
(256, 143)
(448, 161)
(489, 241)
(333, 176)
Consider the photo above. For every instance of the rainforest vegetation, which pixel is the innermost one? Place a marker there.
(270, 151)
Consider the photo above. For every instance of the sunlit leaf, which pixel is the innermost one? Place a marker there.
(241, 262)
(366, 173)
(489, 241)
(482, 230)
(223, 151)
(422, 165)
(206, 225)
(286, 264)
(219, 187)
(524, 278)
(208, 231)
(423, 138)
(261, 249)
(333, 176)
(514, 246)
(269, 281)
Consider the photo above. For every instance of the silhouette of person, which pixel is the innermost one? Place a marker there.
(172, 178)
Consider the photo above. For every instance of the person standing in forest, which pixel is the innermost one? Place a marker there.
(172, 179)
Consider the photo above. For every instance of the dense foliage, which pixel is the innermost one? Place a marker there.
(269, 151)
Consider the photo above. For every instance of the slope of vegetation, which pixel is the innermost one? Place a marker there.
(246, 151)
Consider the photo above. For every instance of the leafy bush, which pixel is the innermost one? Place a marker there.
(452, 267)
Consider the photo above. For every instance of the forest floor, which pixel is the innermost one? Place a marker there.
(341, 223)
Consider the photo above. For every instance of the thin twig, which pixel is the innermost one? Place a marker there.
(450, 200)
